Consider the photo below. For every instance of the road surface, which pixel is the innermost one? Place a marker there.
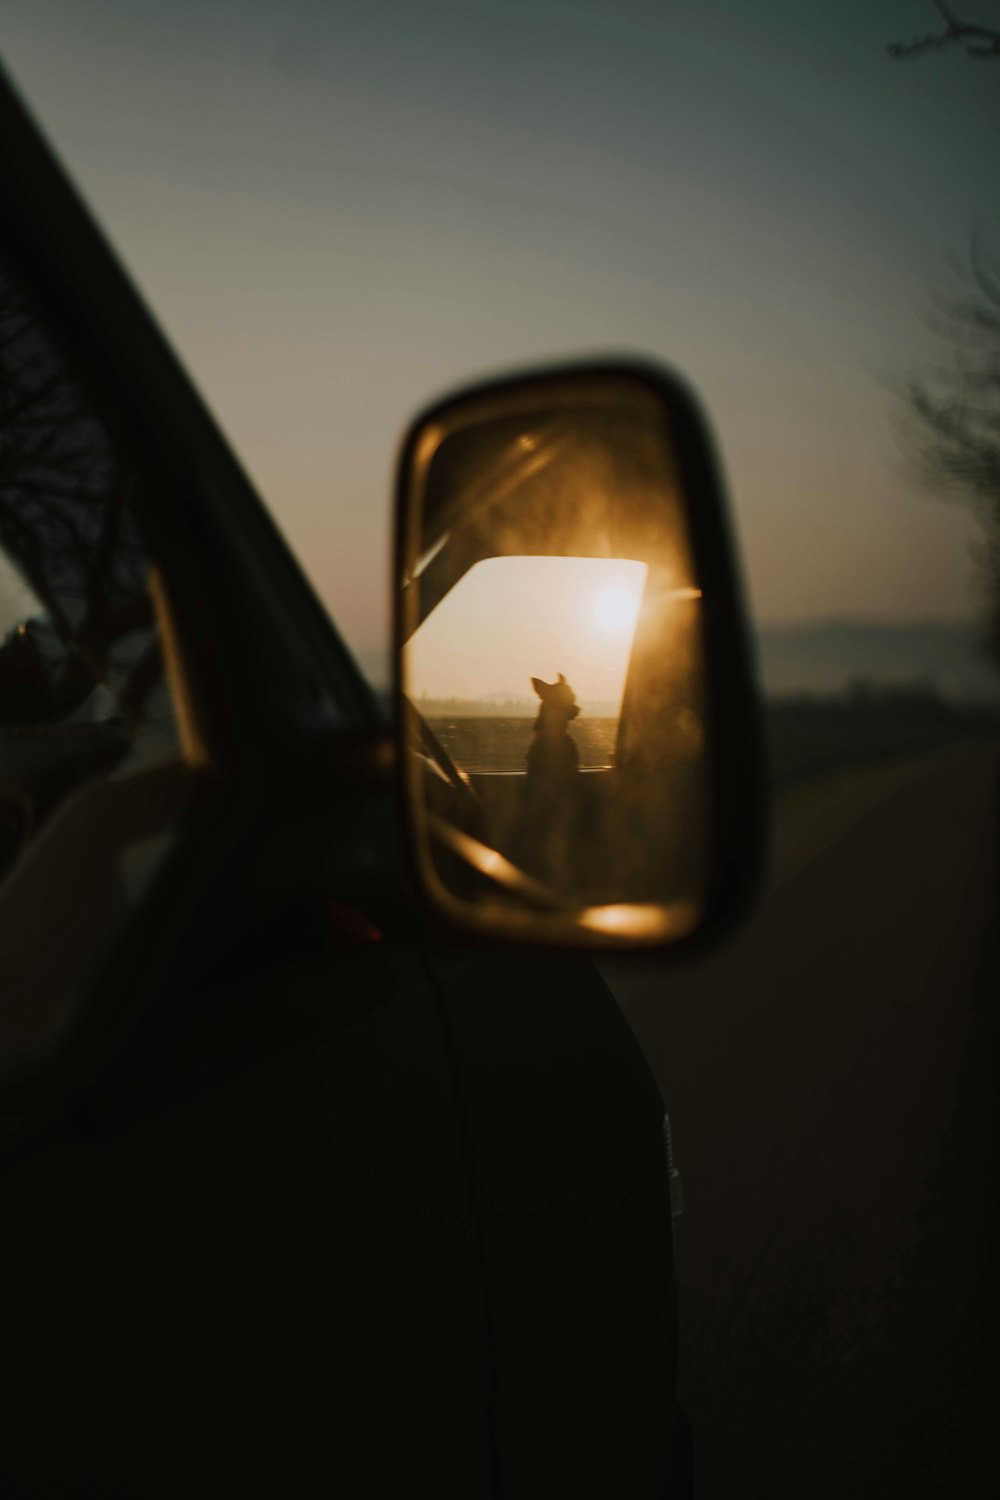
(833, 1080)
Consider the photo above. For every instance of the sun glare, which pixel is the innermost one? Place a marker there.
(509, 619)
(615, 608)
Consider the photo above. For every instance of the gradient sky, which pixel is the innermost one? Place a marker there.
(340, 209)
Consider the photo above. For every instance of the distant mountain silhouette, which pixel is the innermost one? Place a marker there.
(826, 656)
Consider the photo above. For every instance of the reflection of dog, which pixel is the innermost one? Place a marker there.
(553, 757)
(548, 811)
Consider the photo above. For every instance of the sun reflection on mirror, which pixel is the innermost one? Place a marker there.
(614, 609)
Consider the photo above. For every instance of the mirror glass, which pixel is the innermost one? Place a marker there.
(552, 666)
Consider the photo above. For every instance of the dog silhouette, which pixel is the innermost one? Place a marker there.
(549, 802)
(553, 756)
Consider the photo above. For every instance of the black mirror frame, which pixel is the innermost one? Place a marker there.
(735, 735)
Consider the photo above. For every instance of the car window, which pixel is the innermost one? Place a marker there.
(510, 634)
(91, 770)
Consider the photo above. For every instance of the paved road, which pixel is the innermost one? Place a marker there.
(833, 1078)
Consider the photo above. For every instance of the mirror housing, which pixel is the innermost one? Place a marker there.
(578, 737)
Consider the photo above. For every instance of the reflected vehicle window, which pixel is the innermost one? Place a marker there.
(472, 663)
(89, 749)
(525, 739)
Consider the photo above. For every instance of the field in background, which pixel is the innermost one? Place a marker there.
(804, 734)
(807, 734)
(496, 742)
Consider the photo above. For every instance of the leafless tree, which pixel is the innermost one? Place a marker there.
(66, 522)
(980, 41)
(952, 423)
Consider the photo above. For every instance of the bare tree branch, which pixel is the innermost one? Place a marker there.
(66, 521)
(981, 41)
(952, 416)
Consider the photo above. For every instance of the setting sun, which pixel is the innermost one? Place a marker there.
(614, 609)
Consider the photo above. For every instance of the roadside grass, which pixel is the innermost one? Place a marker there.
(807, 736)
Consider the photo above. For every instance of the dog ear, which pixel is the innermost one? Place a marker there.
(540, 687)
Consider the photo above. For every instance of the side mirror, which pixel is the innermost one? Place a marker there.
(579, 747)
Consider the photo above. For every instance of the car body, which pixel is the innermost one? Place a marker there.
(296, 1196)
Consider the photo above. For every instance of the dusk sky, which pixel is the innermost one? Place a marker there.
(339, 210)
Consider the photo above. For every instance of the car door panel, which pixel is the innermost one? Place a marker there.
(565, 1121)
(272, 1279)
